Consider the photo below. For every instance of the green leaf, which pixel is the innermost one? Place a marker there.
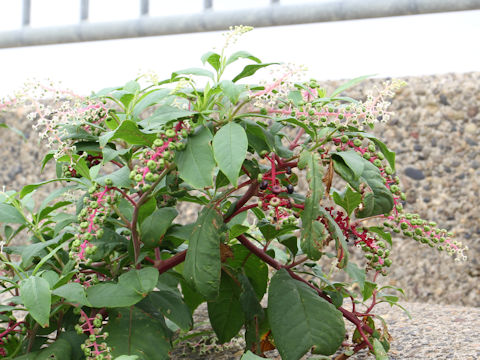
(350, 84)
(258, 138)
(127, 357)
(146, 209)
(368, 290)
(313, 232)
(255, 269)
(237, 230)
(60, 349)
(202, 263)
(248, 299)
(120, 178)
(150, 99)
(212, 58)
(10, 215)
(18, 132)
(132, 87)
(73, 292)
(170, 303)
(82, 168)
(249, 70)
(251, 356)
(230, 148)
(132, 287)
(232, 90)
(384, 235)
(37, 249)
(353, 160)
(337, 235)
(133, 331)
(225, 312)
(379, 351)
(129, 132)
(191, 297)
(389, 155)
(357, 274)
(156, 225)
(193, 71)
(35, 294)
(242, 54)
(354, 169)
(196, 163)
(163, 115)
(300, 319)
(296, 97)
(348, 199)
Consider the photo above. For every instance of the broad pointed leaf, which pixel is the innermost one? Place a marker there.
(249, 70)
(10, 215)
(348, 199)
(230, 148)
(35, 293)
(156, 225)
(313, 232)
(202, 262)
(133, 331)
(301, 319)
(73, 292)
(225, 312)
(196, 163)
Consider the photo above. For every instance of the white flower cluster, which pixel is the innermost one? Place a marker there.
(282, 79)
(235, 32)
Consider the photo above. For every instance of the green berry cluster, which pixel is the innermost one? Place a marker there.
(425, 232)
(93, 328)
(91, 218)
(155, 159)
(378, 257)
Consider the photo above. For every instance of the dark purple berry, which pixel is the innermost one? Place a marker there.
(290, 188)
(263, 185)
(288, 170)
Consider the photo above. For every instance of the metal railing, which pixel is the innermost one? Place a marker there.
(275, 14)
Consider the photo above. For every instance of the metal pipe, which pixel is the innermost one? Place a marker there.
(84, 10)
(207, 4)
(26, 11)
(221, 20)
(144, 7)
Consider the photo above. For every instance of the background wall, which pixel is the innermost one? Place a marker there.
(435, 133)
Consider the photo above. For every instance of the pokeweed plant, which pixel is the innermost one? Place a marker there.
(112, 269)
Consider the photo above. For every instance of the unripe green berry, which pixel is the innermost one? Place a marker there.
(170, 133)
(344, 139)
(149, 177)
(371, 148)
(357, 142)
(367, 156)
(388, 262)
(138, 177)
(108, 182)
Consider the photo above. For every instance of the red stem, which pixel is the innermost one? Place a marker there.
(294, 143)
(124, 194)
